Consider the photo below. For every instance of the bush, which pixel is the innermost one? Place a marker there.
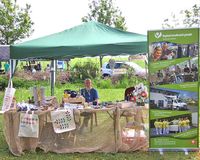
(122, 81)
(20, 83)
(3, 82)
(83, 70)
(104, 84)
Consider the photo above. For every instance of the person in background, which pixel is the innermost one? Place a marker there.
(91, 97)
(39, 67)
(184, 125)
(164, 127)
(187, 121)
(166, 53)
(167, 126)
(194, 68)
(48, 68)
(21, 65)
(156, 125)
(6, 67)
(160, 127)
(33, 70)
(180, 125)
(186, 69)
(178, 74)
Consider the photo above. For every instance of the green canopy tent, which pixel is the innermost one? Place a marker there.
(88, 39)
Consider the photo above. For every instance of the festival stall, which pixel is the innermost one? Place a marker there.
(47, 125)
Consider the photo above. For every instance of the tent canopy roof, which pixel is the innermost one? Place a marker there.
(88, 39)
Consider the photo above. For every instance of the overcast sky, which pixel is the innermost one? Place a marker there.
(52, 16)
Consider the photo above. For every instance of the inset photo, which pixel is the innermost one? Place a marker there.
(177, 100)
(173, 125)
(166, 51)
(186, 71)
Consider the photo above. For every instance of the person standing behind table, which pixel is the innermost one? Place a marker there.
(91, 97)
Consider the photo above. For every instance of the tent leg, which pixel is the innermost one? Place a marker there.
(52, 77)
(13, 64)
(161, 151)
(186, 152)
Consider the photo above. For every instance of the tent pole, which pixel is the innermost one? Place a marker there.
(13, 64)
(11, 68)
(101, 59)
(52, 77)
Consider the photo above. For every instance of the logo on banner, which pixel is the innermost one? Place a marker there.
(158, 35)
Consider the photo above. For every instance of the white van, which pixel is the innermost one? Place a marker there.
(162, 101)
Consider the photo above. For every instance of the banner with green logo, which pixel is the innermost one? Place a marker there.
(174, 88)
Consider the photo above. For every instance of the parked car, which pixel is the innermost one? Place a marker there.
(121, 68)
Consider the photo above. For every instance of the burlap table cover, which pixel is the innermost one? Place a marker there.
(104, 137)
(135, 118)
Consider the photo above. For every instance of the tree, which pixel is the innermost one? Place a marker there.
(192, 16)
(105, 12)
(15, 22)
(186, 18)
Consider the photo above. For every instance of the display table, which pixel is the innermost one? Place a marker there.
(104, 137)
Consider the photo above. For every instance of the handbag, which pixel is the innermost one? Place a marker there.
(29, 125)
(63, 120)
(8, 97)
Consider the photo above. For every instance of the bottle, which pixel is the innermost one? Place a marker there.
(29, 100)
(66, 95)
(32, 99)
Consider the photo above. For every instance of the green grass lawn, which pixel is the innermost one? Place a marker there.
(104, 94)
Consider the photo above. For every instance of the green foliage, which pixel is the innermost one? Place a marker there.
(104, 83)
(191, 18)
(20, 83)
(83, 70)
(123, 81)
(3, 82)
(15, 22)
(105, 12)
